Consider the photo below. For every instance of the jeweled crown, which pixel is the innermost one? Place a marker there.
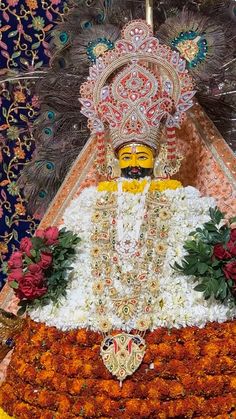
(136, 86)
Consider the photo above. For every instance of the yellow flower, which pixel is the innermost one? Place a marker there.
(163, 185)
(134, 186)
(107, 186)
(4, 415)
(137, 186)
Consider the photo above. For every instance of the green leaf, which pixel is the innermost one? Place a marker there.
(14, 285)
(16, 54)
(37, 243)
(12, 34)
(200, 287)
(202, 268)
(21, 310)
(36, 45)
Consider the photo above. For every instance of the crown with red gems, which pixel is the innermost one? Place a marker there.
(136, 86)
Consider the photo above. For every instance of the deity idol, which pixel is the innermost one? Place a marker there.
(99, 351)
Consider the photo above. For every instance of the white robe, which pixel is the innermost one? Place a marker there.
(178, 305)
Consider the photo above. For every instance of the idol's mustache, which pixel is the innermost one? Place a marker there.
(135, 172)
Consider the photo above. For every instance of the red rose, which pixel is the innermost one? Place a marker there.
(31, 289)
(233, 235)
(45, 260)
(36, 270)
(231, 246)
(39, 233)
(220, 252)
(15, 260)
(51, 235)
(26, 245)
(230, 270)
(16, 275)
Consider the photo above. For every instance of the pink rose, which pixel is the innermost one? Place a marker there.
(16, 275)
(220, 252)
(230, 270)
(36, 270)
(15, 260)
(31, 289)
(26, 246)
(46, 260)
(51, 235)
(39, 233)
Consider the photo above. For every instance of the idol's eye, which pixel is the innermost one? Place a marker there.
(126, 158)
(143, 158)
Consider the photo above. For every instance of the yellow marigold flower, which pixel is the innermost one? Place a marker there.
(107, 186)
(32, 4)
(19, 96)
(20, 209)
(4, 415)
(137, 186)
(134, 186)
(19, 153)
(163, 185)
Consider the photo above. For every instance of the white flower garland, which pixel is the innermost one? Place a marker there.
(178, 305)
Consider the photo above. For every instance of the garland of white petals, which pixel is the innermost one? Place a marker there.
(178, 305)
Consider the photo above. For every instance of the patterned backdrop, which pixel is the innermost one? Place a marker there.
(24, 46)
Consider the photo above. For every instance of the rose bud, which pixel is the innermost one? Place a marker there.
(15, 260)
(16, 275)
(51, 235)
(39, 233)
(26, 246)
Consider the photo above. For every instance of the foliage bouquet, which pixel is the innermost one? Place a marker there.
(211, 257)
(37, 271)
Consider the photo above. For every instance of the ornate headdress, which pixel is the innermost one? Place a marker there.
(133, 88)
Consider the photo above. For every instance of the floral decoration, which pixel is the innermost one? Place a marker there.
(24, 46)
(137, 186)
(211, 258)
(60, 374)
(38, 268)
(90, 296)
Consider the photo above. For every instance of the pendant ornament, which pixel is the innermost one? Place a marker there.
(122, 354)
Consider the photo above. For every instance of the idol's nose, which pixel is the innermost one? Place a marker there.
(134, 160)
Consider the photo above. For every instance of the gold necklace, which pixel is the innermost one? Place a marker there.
(132, 291)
